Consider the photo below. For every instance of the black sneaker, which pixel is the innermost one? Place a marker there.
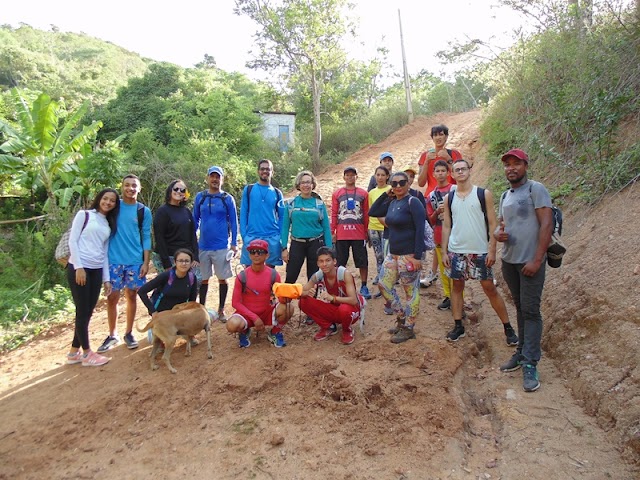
(445, 304)
(512, 364)
(456, 334)
(333, 328)
(131, 342)
(512, 338)
(109, 343)
(530, 382)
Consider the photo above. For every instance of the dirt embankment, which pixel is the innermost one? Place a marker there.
(425, 409)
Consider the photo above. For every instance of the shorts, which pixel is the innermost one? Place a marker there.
(215, 261)
(359, 249)
(125, 276)
(268, 317)
(469, 266)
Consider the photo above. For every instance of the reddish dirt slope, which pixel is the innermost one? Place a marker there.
(425, 409)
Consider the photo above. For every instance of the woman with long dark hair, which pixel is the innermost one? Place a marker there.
(88, 269)
(174, 228)
(404, 219)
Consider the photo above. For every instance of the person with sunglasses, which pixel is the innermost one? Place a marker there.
(404, 217)
(252, 300)
(468, 251)
(174, 228)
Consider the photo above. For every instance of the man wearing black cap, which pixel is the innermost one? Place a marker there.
(349, 225)
(525, 227)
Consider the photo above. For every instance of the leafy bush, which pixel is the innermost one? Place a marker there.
(25, 316)
(564, 96)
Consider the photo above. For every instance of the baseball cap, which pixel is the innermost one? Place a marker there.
(384, 155)
(215, 169)
(258, 244)
(350, 169)
(555, 252)
(410, 169)
(516, 152)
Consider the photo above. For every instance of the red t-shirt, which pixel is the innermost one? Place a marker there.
(256, 298)
(435, 199)
(431, 180)
(350, 213)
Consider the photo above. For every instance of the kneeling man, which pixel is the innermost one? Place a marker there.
(252, 299)
(330, 297)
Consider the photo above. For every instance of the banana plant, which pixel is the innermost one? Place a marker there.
(44, 142)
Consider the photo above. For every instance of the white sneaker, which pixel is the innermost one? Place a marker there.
(428, 279)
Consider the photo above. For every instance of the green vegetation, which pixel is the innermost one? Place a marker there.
(570, 97)
(74, 66)
(566, 94)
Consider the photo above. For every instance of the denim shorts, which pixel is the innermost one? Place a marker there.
(469, 266)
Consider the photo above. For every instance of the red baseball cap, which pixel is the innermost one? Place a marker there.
(258, 244)
(516, 152)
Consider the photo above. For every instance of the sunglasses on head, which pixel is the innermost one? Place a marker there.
(399, 183)
(257, 252)
(178, 189)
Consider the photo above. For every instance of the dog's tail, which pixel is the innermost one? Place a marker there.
(147, 326)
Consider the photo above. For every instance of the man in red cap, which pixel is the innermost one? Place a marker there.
(524, 229)
(252, 299)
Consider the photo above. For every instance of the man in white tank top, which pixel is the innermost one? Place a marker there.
(468, 251)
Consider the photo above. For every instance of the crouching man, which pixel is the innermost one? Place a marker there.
(252, 300)
(330, 297)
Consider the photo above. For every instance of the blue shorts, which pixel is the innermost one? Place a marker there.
(125, 276)
(469, 266)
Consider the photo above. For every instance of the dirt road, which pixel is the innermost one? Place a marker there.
(425, 409)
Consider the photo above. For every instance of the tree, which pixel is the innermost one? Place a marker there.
(300, 37)
(45, 142)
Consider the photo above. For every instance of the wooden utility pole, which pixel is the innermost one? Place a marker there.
(407, 83)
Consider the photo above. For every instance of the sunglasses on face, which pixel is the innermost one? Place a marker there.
(257, 252)
(178, 189)
(399, 183)
(183, 260)
(460, 169)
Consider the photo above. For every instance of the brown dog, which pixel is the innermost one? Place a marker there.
(185, 319)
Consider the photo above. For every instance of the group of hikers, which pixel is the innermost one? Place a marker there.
(110, 245)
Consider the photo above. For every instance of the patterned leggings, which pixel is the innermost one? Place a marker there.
(375, 236)
(395, 268)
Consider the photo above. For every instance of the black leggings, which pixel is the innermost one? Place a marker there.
(85, 298)
(298, 253)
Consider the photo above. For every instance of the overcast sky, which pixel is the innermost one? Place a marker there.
(182, 32)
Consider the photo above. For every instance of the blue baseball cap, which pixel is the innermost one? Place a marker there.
(384, 155)
(215, 169)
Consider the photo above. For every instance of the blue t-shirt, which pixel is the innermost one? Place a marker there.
(262, 219)
(125, 247)
(215, 220)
